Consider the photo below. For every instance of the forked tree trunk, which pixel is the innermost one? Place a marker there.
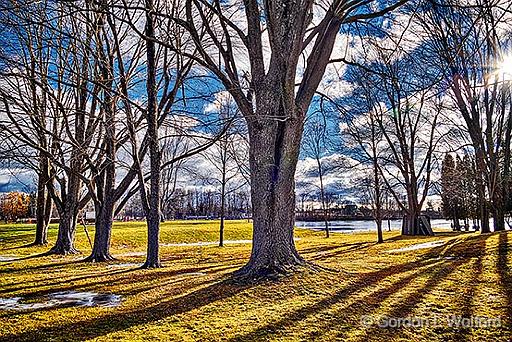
(273, 157)
(66, 235)
(68, 212)
(103, 231)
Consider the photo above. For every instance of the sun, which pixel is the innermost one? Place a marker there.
(505, 67)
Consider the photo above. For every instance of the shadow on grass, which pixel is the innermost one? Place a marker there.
(439, 270)
(504, 272)
(97, 327)
(129, 276)
(352, 248)
(38, 267)
(468, 297)
(363, 281)
(411, 301)
(425, 237)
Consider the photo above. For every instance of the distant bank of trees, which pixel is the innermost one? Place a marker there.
(15, 206)
(460, 199)
(197, 204)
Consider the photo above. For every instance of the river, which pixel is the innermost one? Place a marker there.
(360, 226)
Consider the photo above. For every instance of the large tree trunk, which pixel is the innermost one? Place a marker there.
(152, 202)
(412, 225)
(153, 254)
(273, 157)
(498, 216)
(68, 212)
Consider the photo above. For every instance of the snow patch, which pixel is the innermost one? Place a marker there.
(419, 246)
(62, 299)
(208, 243)
(128, 264)
(7, 258)
(133, 254)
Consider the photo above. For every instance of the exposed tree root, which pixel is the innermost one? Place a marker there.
(255, 272)
(99, 257)
(61, 250)
(154, 264)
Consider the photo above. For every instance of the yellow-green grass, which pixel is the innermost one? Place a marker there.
(192, 299)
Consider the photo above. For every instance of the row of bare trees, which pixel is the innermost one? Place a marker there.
(434, 82)
(89, 84)
(104, 96)
(86, 94)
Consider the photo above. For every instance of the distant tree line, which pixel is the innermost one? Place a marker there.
(460, 200)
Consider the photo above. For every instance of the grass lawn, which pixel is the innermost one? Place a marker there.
(191, 298)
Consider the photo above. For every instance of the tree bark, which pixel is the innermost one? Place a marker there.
(66, 235)
(380, 238)
(152, 202)
(103, 230)
(273, 158)
(480, 184)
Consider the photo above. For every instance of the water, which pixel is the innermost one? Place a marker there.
(61, 299)
(365, 226)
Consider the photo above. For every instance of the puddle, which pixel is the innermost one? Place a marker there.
(419, 246)
(7, 258)
(62, 299)
(128, 264)
(208, 243)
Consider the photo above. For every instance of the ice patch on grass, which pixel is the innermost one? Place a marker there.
(128, 264)
(62, 299)
(419, 246)
(208, 243)
(194, 274)
(133, 254)
(7, 258)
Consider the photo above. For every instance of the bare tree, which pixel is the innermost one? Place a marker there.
(467, 48)
(315, 145)
(268, 96)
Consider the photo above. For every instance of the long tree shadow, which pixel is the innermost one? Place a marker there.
(368, 279)
(504, 273)
(129, 276)
(413, 299)
(89, 329)
(38, 267)
(468, 297)
(352, 248)
(363, 281)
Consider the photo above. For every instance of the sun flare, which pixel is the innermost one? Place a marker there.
(505, 67)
